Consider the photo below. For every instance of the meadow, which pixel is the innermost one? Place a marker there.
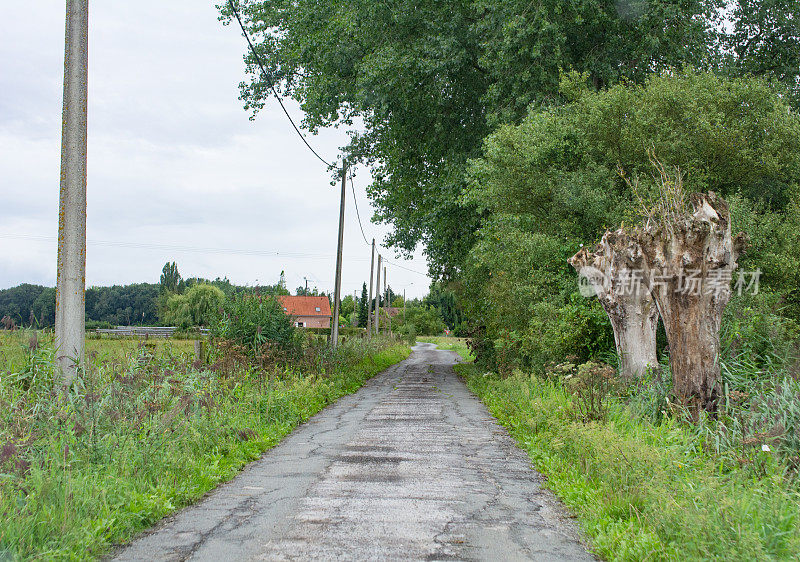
(145, 431)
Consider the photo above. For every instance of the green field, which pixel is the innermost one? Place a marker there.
(15, 347)
(142, 433)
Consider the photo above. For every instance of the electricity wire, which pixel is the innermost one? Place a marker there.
(355, 201)
(404, 267)
(199, 249)
(272, 84)
(181, 248)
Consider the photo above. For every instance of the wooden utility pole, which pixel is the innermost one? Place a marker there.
(369, 302)
(71, 268)
(378, 297)
(338, 285)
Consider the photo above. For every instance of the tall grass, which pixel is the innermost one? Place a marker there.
(647, 483)
(644, 490)
(142, 435)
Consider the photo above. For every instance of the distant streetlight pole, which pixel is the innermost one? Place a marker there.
(377, 314)
(371, 279)
(388, 300)
(71, 269)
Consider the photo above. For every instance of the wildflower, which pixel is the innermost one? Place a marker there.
(765, 448)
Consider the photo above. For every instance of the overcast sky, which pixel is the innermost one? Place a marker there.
(177, 171)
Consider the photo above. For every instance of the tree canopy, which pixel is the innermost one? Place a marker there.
(429, 80)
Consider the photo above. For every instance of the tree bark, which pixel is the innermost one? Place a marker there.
(627, 302)
(688, 265)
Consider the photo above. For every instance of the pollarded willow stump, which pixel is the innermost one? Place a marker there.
(688, 265)
(626, 300)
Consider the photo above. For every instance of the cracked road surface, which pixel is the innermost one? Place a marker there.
(410, 467)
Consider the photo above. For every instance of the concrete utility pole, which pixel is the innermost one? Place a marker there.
(338, 286)
(378, 297)
(386, 290)
(369, 302)
(71, 276)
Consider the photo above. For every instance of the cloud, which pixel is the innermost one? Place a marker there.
(173, 158)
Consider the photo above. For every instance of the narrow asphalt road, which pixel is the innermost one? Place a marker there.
(411, 467)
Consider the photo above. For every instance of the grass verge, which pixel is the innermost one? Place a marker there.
(135, 442)
(642, 491)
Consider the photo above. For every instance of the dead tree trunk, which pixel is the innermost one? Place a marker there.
(628, 303)
(688, 262)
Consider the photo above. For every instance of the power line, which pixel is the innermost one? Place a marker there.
(272, 84)
(355, 201)
(180, 248)
(297, 130)
(199, 249)
(406, 268)
(363, 235)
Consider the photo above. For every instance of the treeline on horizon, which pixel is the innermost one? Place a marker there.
(148, 304)
(135, 304)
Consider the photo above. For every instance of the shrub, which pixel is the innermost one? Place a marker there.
(426, 321)
(254, 321)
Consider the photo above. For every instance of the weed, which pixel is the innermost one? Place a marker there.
(143, 432)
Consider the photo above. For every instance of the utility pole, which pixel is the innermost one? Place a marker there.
(71, 268)
(386, 290)
(369, 302)
(378, 297)
(338, 286)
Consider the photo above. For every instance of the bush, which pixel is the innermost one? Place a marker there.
(252, 321)
(425, 321)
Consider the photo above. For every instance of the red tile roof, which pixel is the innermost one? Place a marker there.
(305, 306)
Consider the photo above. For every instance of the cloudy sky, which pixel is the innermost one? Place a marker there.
(177, 171)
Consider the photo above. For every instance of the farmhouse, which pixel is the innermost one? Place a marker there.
(308, 312)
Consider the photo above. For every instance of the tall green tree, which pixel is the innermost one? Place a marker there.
(363, 304)
(430, 79)
(552, 184)
(170, 278)
(201, 305)
(765, 42)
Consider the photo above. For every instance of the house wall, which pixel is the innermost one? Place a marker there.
(314, 321)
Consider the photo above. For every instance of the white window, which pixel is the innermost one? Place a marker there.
(317, 309)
